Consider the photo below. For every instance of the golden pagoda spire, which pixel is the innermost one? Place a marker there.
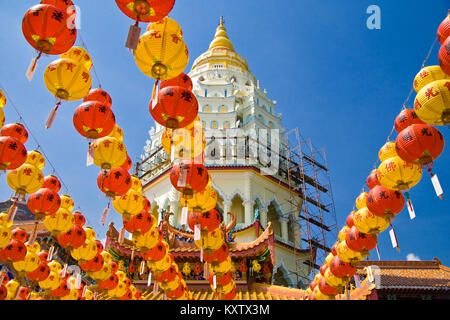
(221, 38)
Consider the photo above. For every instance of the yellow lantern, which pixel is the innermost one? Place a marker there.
(222, 267)
(201, 201)
(109, 152)
(333, 281)
(328, 259)
(79, 55)
(161, 265)
(318, 295)
(4, 220)
(26, 179)
(387, 151)
(136, 183)
(67, 80)
(210, 240)
(396, 174)
(12, 287)
(148, 240)
(55, 266)
(343, 233)
(67, 202)
(73, 295)
(107, 258)
(52, 282)
(34, 247)
(428, 75)
(366, 222)
(118, 291)
(121, 275)
(104, 273)
(2, 99)
(129, 204)
(348, 255)
(167, 24)
(88, 295)
(86, 252)
(117, 133)
(2, 117)
(5, 236)
(226, 288)
(61, 221)
(35, 158)
(133, 291)
(29, 264)
(361, 200)
(187, 144)
(171, 285)
(432, 103)
(161, 54)
(90, 233)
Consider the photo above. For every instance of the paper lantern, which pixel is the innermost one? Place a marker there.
(367, 222)
(28, 264)
(79, 55)
(348, 255)
(139, 223)
(360, 242)
(25, 180)
(36, 159)
(41, 273)
(427, 75)
(343, 233)
(46, 29)
(61, 4)
(75, 237)
(182, 80)
(43, 202)
(146, 241)
(406, 118)
(372, 180)
(162, 54)
(94, 120)
(114, 182)
(387, 151)
(109, 153)
(67, 80)
(188, 177)
(2, 99)
(443, 31)
(342, 269)
(15, 130)
(85, 252)
(129, 204)
(202, 201)
(431, 103)
(12, 153)
(14, 251)
(361, 200)
(99, 95)
(67, 202)
(61, 221)
(397, 174)
(174, 107)
(145, 10)
(52, 182)
(211, 241)
(444, 56)
(117, 133)
(385, 202)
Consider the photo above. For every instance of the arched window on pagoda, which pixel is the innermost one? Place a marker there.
(238, 208)
(226, 125)
(248, 118)
(223, 109)
(214, 124)
(206, 109)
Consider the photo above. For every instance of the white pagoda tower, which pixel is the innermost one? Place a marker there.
(244, 156)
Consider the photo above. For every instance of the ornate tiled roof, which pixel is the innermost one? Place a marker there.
(422, 275)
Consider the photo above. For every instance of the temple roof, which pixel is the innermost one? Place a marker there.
(221, 38)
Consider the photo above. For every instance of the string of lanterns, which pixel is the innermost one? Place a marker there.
(417, 146)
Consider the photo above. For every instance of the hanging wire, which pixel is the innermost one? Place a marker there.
(83, 44)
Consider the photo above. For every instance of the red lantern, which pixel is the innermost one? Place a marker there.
(127, 164)
(175, 107)
(218, 255)
(61, 4)
(209, 220)
(188, 177)
(110, 283)
(182, 80)
(157, 252)
(443, 31)
(12, 153)
(46, 29)
(19, 235)
(145, 10)
(93, 265)
(80, 220)
(322, 270)
(15, 130)
(94, 120)
(419, 143)
(114, 182)
(23, 293)
(3, 292)
(74, 238)
(230, 295)
(349, 220)
(372, 179)
(333, 248)
(14, 251)
(99, 245)
(192, 219)
(61, 291)
(41, 273)
(99, 95)
(147, 205)
(168, 275)
(177, 293)
(223, 279)
(243, 266)
(382, 201)
(140, 223)
(43, 202)
(358, 241)
(327, 289)
(52, 182)
(406, 118)
(43, 256)
(444, 56)
(341, 269)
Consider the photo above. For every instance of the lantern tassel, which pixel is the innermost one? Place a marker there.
(90, 156)
(34, 233)
(133, 36)
(149, 280)
(52, 116)
(121, 235)
(32, 67)
(155, 94)
(12, 210)
(412, 213)
(394, 238)
(105, 214)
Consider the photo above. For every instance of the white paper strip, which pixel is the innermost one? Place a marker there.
(378, 253)
(172, 152)
(95, 295)
(184, 215)
(201, 254)
(121, 235)
(78, 281)
(64, 270)
(90, 157)
(50, 253)
(182, 178)
(412, 213)
(196, 232)
(84, 291)
(369, 274)
(13, 213)
(393, 239)
(31, 69)
(104, 216)
(214, 282)
(155, 288)
(437, 185)
(141, 271)
(149, 280)
(357, 280)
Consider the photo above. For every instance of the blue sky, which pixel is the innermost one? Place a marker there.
(340, 83)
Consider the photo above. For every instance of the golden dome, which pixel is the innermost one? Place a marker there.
(221, 38)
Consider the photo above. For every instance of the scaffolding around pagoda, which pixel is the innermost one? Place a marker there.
(308, 174)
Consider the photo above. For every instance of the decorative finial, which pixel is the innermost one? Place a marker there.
(221, 21)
